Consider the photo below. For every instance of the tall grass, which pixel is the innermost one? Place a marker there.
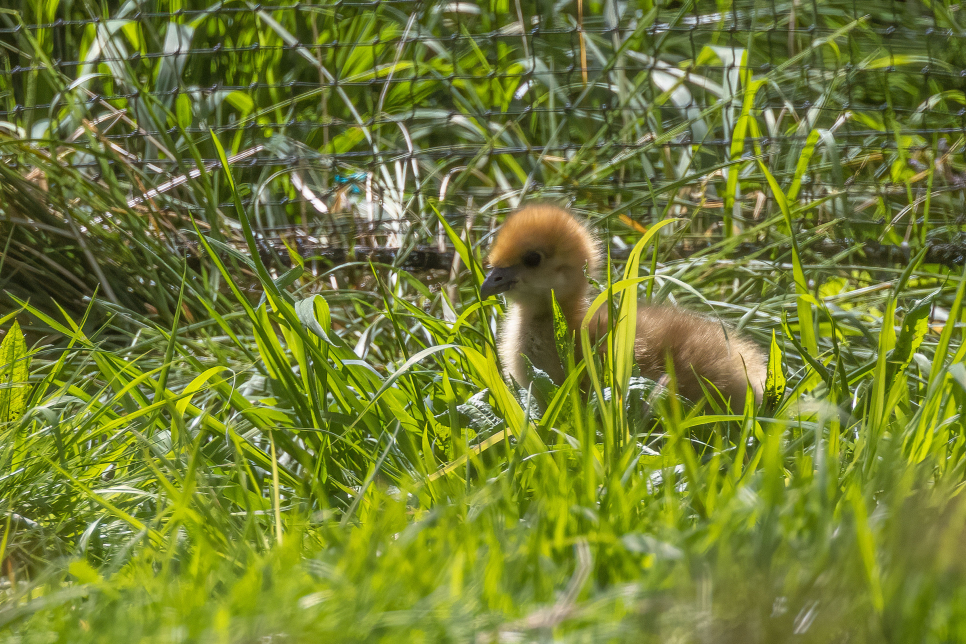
(274, 484)
(222, 448)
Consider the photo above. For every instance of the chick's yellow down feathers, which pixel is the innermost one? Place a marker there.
(543, 249)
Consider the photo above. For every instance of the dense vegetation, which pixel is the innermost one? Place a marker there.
(211, 432)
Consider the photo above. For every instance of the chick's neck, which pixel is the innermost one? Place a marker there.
(538, 311)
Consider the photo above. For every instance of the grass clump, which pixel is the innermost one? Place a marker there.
(283, 487)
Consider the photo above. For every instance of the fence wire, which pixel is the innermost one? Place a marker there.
(357, 122)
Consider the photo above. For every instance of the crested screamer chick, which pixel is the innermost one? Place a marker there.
(543, 248)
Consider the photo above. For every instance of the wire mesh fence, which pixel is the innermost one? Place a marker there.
(358, 123)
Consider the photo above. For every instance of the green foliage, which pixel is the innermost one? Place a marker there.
(241, 486)
(214, 448)
(13, 376)
(624, 107)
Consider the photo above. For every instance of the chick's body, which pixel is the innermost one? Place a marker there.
(701, 351)
(542, 250)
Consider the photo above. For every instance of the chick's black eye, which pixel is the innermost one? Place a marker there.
(532, 259)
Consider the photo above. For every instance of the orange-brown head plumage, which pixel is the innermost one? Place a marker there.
(546, 229)
(542, 249)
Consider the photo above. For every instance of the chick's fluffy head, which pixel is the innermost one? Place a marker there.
(549, 230)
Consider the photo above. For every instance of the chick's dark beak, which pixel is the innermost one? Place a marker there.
(499, 280)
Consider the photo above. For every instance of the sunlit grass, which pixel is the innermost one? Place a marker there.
(273, 483)
(222, 448)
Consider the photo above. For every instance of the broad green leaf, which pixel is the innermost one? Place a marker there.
(806, 325)
(14, 371)
(313, 312)
(915, 325)
(562, 336)
(775, 382)
(807, 151)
